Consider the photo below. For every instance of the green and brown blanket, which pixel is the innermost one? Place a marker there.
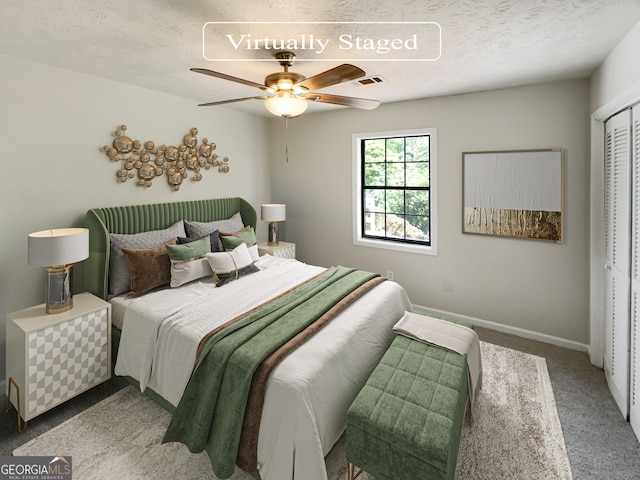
(221, 406)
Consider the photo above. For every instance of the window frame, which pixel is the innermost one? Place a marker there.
(397, 245)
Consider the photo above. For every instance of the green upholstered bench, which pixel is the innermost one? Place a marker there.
(406, 422)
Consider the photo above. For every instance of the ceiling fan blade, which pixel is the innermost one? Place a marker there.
(339, 74)
(222, 102)
(224, 76)
(346, 101)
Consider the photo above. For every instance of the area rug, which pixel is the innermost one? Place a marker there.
(515, 433)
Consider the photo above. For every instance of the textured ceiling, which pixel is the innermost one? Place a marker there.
(152, 43)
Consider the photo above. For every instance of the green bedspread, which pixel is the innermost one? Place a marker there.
(211, 411)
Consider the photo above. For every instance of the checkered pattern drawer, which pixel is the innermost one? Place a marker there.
(283, 250)
(54, 357)
(66, 358)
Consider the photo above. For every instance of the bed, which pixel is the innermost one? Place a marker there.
(157, 334)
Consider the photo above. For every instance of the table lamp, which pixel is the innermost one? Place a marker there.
(273, 213)
(58, 250)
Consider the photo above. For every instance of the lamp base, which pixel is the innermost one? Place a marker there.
(274, 239)
(59, 289)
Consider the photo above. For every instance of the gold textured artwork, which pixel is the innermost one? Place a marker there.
(149, 162)
(513, 193)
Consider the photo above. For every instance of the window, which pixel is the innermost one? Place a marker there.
(394, 190)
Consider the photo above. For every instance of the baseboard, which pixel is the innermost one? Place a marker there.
(519, 332)
(3, 387)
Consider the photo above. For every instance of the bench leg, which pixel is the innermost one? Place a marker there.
(351, 471)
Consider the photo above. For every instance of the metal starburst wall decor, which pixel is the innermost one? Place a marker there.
(147, 162)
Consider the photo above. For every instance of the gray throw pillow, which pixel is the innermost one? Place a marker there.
(200, 229)
(119, 273)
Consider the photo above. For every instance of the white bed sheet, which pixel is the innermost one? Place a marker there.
(308, 393)
(119, 305)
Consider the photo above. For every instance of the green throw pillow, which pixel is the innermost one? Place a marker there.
(232, 241)
(189, 251)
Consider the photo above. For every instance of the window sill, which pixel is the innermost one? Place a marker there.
(398, 247)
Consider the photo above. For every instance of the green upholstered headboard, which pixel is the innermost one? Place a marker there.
(141, 218)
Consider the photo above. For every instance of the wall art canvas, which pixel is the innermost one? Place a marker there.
(513, 193)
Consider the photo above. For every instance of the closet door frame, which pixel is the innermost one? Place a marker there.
(597, 230)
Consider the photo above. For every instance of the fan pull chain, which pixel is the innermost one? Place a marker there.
(286, 128)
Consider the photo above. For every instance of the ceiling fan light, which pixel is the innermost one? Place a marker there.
(286, 105)
(285, 84)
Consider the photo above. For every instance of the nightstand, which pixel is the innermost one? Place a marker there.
(283, 249)
(54, 357)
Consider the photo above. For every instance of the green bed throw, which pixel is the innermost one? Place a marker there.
(211, 411)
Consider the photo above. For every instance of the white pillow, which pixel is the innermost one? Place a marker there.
(227, 262)
(253, 251)
(185, 272)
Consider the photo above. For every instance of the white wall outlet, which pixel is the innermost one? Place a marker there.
(448, 286)
(390, 275)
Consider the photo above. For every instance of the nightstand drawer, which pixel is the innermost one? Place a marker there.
(66, 358)
(54, 357)
(283, 249)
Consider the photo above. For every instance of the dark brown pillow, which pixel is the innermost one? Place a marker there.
(150, 267)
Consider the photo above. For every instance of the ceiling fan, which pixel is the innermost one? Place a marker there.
(287, 93)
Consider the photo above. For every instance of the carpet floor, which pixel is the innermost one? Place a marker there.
(515, 433)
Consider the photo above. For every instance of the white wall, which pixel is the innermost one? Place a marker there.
(619, 73)
(53, 123)
(533, 285)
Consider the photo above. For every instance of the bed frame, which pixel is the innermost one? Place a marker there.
(141, 218)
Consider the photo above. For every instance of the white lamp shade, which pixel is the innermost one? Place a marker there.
(62, 246)
(273, 212)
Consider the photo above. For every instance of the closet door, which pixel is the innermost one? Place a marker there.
(618, 257)
(634, 394)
